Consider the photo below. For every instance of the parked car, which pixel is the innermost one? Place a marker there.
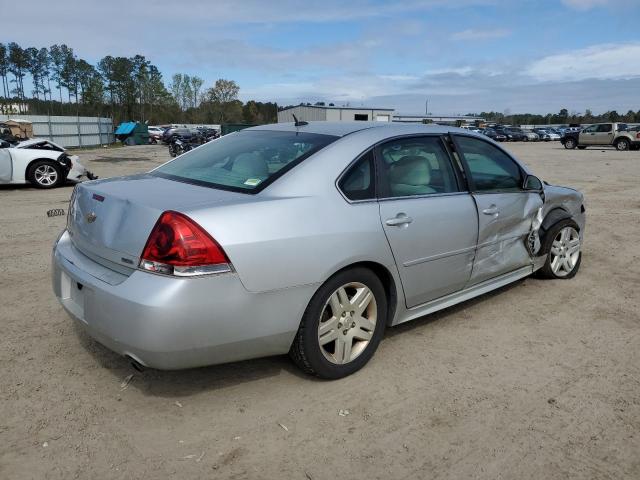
(183, 133)
(531, 136)
(512, 134)
(546, 134)
(41, 162)
(614, 134)
(155, 134)
(492, 134)
(307, 238)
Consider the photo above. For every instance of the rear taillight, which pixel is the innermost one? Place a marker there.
(638, 135)
(179, 246)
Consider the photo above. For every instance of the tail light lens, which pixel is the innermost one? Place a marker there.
(179, 246)
(638, 135)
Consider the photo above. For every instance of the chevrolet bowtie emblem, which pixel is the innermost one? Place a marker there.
(91, 217)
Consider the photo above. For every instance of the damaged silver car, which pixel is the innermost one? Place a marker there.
(307, 238)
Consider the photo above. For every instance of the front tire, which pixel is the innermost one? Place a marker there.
(342, 325)
(564, 251)
(570, 144)
(45, 174)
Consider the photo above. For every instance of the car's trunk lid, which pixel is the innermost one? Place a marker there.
(110, 220)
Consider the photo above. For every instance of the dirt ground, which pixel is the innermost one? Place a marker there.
(538, 380)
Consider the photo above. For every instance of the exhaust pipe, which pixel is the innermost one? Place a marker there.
(136, 364)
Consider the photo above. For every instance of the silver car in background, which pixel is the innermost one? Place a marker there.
(305, 238)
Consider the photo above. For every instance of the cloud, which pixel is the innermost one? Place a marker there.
(588, 4)
(475, 34)
(608, 61)
(585, 5)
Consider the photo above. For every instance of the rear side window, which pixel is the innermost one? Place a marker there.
(358, 183)
(245, 161)
(491, 169)
(415, 166)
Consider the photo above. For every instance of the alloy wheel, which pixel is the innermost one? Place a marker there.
(565, 251)
(46, 175)
(622, 145)
(347, 323)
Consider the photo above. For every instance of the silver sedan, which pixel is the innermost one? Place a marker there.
(307, 238)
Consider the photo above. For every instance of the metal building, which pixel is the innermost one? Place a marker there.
(69, 131)
(316, 113)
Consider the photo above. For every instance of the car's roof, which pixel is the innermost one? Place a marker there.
(340, 129)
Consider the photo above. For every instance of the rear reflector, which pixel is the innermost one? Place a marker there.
(179, 246)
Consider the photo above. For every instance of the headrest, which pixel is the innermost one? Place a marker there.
(410, 170)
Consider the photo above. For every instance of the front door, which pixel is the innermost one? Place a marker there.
(6, 168)
(505, 210)
(429, 220)
(588, 135)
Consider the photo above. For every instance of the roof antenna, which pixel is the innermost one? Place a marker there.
(298, 122)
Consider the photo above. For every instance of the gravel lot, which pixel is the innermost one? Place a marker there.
(539, 380)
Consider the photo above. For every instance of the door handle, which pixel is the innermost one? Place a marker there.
(492, 210)
(399, 220)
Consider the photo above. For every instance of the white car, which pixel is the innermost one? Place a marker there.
(547, 135)
(41, 162)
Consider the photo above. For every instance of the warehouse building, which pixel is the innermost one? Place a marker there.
(309, 113)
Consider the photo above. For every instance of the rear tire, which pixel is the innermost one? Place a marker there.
(336, 337)
(564, 251)
(570, 144)
(45, 174)
(622, 144)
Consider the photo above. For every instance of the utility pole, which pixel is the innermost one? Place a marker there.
(426, 107)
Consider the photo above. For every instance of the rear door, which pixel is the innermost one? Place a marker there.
(429, 220)
(6, 167)
(505, 210)
(604, 134)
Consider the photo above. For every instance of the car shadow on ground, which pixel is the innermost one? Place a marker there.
(183, 383)
(28, 186)
(449, 312)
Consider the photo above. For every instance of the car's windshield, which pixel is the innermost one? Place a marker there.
(245, 161)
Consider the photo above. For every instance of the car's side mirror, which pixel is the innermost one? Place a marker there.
(532, 184)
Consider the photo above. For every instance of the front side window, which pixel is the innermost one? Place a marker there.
(415, 166)
(358, 183)
(490, 168)
(591, 129)
(245, 161)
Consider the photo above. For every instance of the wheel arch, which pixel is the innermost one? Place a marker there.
(554, 216)
(388, 282)
(42, 159)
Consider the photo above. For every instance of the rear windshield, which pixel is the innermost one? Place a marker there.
(245, 161)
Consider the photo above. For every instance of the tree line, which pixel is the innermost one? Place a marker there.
(124, 88)
(562, 117)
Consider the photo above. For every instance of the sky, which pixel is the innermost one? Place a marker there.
(463, 56)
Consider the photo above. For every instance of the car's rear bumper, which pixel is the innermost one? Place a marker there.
(172, 323)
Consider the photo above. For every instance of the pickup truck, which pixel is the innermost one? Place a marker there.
(614, 134)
